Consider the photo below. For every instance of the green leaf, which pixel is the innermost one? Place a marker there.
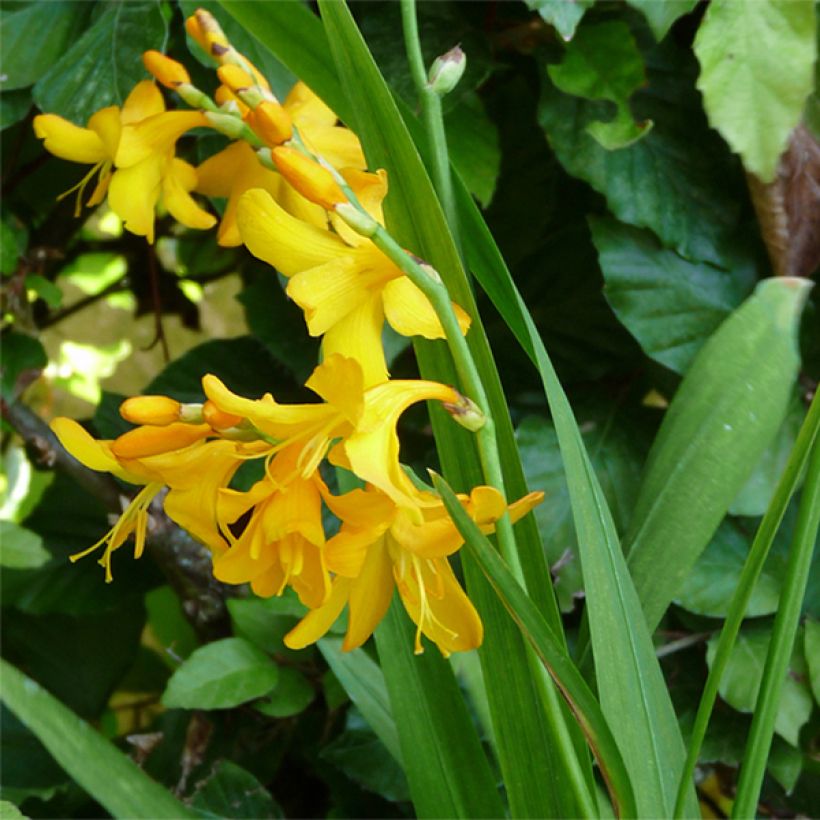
(265, 622)
(44, 289)
(231, 791)
(661, 15)
(114, 780)
(292, 695)
(550, 651)
(688, 198)
(812, 653)
(220, 675)
(13, 241)
(757, 69)
(726, 412)
(170, 628)
(102, 67)
(670, 305)
(617, 448)
(14, 105)
(35, 36)
(21, 355)
(20, 548)
(8, 811)
(741, 681)
(564, 15)
(785, 764)
(602, 62)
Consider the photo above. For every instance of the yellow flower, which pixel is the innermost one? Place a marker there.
(345, 285)
(237, 169)
(139, 141)
(382, 547)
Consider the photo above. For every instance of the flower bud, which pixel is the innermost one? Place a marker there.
(466, 413)
(151, 441)
(166, 71)
(308, 177)
(447, 70)
(203, 28)
(157, 410)
(235, 78)
(219, 419)
(271, 122)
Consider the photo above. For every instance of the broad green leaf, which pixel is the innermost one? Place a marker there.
(811, 649)
(688, 198)
(13, 240)
(785, 764)
(20, 548)
(102, 66)
(617, 448)
(564, 15)
(292, 695)
(44, 289)
(220, 675)
(741, 681)
(726, 411)
(550, 651)
(34, 37)
(8, 811)
(669, 304)
(14, 105)
(114, 780)
(265, 622)
(756, 493)
(231, 791)
(169, 626)
(364, 683)
(757, 69)
(660, 14)
(602, 62)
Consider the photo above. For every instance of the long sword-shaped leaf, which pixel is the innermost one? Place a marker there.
(108, 775)
(551, 652)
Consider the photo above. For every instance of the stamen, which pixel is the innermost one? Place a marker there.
(81, 185)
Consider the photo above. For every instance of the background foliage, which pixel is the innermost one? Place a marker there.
(583, 131)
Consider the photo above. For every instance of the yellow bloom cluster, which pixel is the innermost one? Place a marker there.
(288, 168)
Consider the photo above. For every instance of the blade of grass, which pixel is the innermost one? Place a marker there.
(551, 653)
(763, 540)
(780, 648)
(108, 775)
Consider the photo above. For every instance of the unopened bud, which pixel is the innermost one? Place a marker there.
(203, 28)
(467, 413)
(447, 70)
(360, 221)
(166, 71)
(271, 122)
(227, 124)
(308, 177)
(151, 441)
(235, 78)
(219, 419)
(157, 410)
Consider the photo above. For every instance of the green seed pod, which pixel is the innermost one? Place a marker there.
(725, 413)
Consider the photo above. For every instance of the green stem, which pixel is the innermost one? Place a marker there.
(782, 642)
(748, 579)
(432, 114)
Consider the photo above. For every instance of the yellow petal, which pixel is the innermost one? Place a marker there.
(156, 135)
(410, 313)
(273, 235)
(370, 596)
(370, 190)
(309, 177)
(361, 508)
(338, 145)
(338, 380)
(317, 622)
(359, 336)
(149, 440)
(307, 109)
(427, 539)
(107, 125)
(299, 207)
(68, 141)
(312, 584)
(486, 505)
(180, 179)
(346, 551)
(518, 509)
(94, 454)
(145, 100)
(133, 195)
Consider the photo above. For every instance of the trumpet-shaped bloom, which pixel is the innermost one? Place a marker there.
(237, 169)
(344, 284)
(138, 141)
(382, 547)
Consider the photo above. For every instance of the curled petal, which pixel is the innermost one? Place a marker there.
(317, 622)
(410, 313)
(370, 596)
(145, 100)
(68, 141)
(181, 178)
(133, 194)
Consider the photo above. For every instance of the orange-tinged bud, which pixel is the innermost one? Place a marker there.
(234, 77)
(158, 410)
(165, 70)
(218, 419)
(223, 95)
(151, 441)
(203, 28)
(308, 177)
(272, 122)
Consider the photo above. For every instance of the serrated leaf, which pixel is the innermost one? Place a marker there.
(688, 198)
(728, 408)
(231, 791)
(221, 675)
(741, 681)
(602, 62)
(103, 66)
(292, 695)
(757, 69)
(20, 548)
(670, 305)
(661, 15)
(34, 37)
(564, 15)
